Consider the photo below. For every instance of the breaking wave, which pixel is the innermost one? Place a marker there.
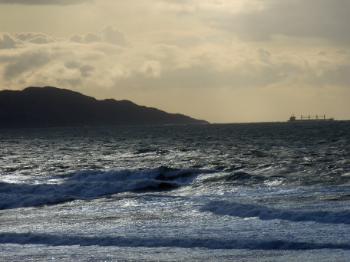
(239, 177)
(86, 185)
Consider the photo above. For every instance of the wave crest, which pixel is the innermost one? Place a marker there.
(267, 213)
(94, 184)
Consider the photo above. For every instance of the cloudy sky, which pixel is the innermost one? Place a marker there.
(219, 60)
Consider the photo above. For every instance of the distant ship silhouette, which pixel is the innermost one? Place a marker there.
(309, 118)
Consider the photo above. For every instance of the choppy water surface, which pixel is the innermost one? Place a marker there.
(253, 192)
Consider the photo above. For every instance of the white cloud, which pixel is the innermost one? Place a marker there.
(85, 69)
(108, 35)
(35, 38)
(151, 68)
(180, 47)
(24, 62)
(91, 62)
(7, 42)
(113, 36)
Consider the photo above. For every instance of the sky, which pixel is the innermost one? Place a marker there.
(218, 60)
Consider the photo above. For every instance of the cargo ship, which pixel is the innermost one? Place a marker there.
(309, 118)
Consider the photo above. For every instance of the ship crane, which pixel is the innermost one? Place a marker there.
(303, 118)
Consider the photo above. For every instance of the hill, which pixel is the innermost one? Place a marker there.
(51, 106)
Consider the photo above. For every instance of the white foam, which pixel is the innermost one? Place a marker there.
(93, 184)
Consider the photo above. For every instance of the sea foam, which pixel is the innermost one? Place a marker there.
(94, 184)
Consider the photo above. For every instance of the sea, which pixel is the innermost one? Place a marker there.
(225, 192)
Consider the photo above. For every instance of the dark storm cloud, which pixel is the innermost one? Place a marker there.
(44, 2)
(327, 19)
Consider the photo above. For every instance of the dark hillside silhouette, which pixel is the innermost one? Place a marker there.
(50, 106)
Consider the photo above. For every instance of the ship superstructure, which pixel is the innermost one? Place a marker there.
(308, 118)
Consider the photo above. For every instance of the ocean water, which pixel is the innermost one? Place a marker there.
(243, 192)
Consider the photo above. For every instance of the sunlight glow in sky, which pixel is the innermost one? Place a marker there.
(219, 60)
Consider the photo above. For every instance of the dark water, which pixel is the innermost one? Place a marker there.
(221, 192)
